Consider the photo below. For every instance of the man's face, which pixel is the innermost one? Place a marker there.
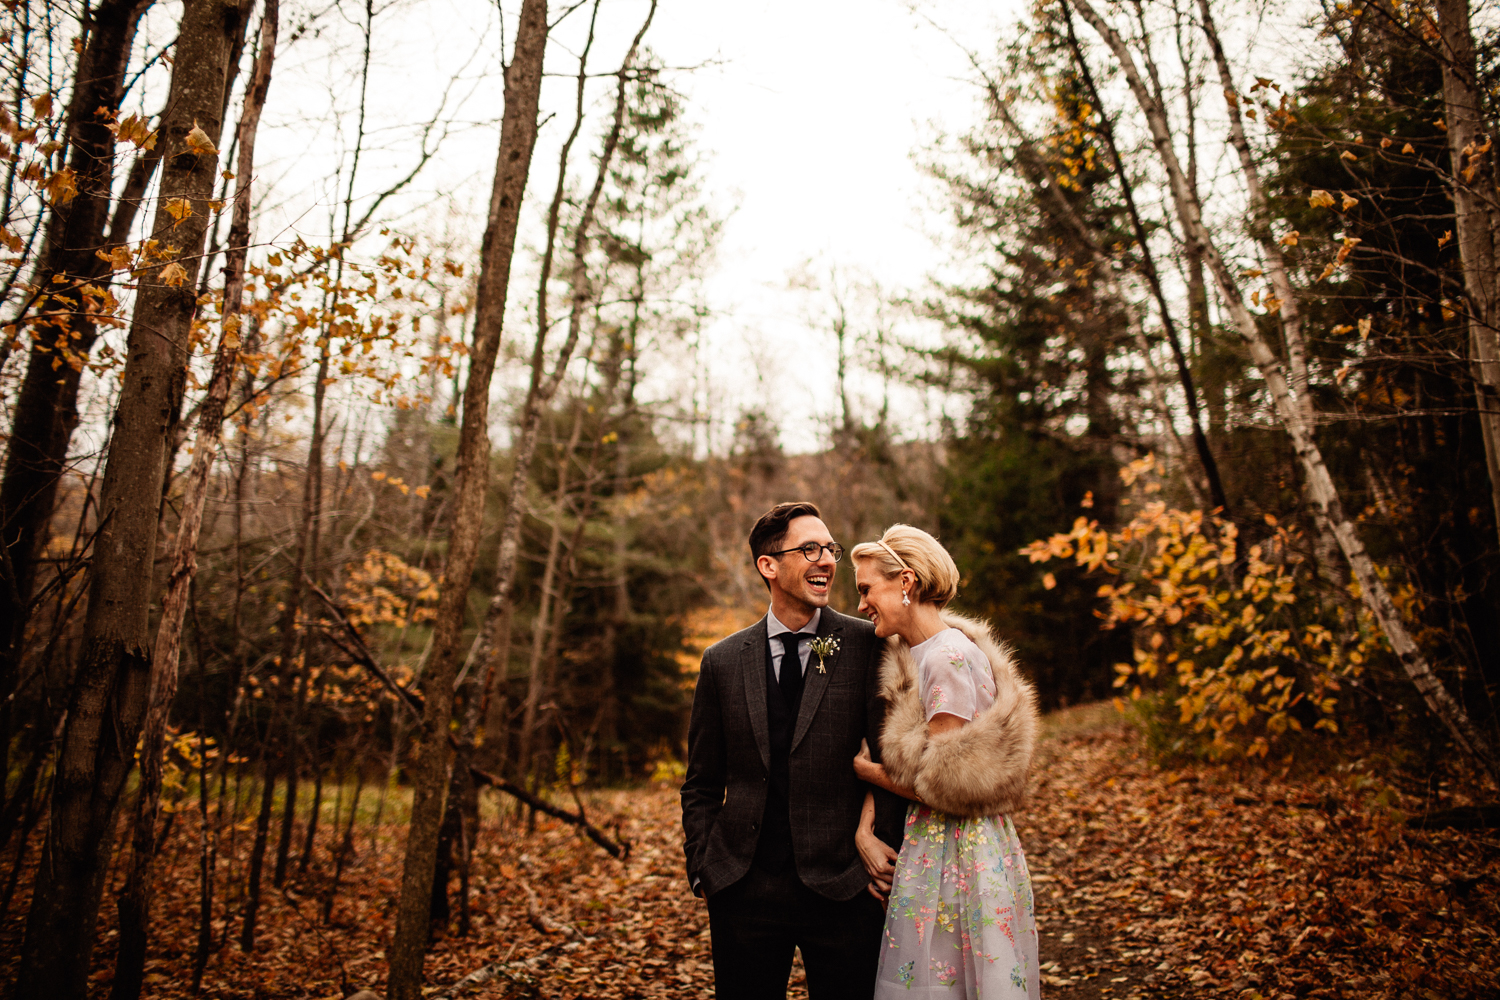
(801, 582)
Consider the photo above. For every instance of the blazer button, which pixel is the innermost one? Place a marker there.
(754, 827)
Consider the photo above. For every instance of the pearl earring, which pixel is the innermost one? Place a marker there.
(905, 601)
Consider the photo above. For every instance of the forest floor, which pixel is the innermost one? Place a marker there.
(1244, 881)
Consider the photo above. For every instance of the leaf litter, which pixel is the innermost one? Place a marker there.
(1204, 881)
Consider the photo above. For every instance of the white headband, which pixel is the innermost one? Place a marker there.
(899, 561)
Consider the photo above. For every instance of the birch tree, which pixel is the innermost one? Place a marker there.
(1292, 411)
(1476, 207)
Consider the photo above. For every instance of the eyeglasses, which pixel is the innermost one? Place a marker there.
(813, 551)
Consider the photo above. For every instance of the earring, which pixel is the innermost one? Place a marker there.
(905, 601)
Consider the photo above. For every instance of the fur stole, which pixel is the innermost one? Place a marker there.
(978, 770)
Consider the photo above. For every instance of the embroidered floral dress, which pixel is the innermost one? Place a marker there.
(960, 923)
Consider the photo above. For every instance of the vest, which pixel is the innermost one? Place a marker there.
(773, 851)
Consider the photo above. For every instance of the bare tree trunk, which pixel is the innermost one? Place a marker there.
(258, 849)
(111, 688)
(1320, 483)
(135, 902)
(430, 749)
(46, 411)
(544, 385)
(1476, 209)
(1153, 279)
(540, 624)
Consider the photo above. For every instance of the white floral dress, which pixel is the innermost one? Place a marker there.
(960, 923)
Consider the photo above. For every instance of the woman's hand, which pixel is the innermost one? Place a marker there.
(878, 858)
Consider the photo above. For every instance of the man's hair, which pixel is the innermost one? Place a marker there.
(770, 531)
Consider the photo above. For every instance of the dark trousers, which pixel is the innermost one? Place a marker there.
(756, 923)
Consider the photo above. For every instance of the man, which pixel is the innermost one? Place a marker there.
(770, 803)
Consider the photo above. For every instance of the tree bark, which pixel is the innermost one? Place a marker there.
(1320, 485)
(1476, 209)
(544, 385)
(135, 902)
(110, 690)
(47, 408)
(430, 750)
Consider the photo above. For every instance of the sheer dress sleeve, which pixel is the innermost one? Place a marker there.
(950, 680)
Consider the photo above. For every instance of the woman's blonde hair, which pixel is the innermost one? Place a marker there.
(904, 547)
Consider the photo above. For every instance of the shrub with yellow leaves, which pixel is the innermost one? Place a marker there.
(1245, 640)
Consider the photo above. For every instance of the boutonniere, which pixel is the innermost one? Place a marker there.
(824, 647)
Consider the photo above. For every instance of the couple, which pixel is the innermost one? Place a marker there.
(830, 772)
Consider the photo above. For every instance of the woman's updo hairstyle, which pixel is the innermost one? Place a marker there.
(905, 547)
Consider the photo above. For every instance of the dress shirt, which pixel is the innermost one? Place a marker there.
(804, 650)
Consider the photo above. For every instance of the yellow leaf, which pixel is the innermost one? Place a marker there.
(1320, 199)
(1342, 329)
(1290, 239)
(199, 142)
(1049, 581)
(1385, 144)
(1328, 270)
(1408, 149)
(179, 209)
(1350, 242)
(1349, 202)
(1365, 326)
(173, 274)
(1253, 272)
(1347, 155)
(1447, 235)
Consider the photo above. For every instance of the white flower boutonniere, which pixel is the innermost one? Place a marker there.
(824, 647)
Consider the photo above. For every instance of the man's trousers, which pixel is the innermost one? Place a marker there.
(756, 924)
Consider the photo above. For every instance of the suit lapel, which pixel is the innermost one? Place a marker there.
(753, 670)
(815, 681)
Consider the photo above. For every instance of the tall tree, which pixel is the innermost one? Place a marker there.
(63, 329)
(1292, 409)
(135, 901)
(1476, 203)
(111, 686)
(430, 749)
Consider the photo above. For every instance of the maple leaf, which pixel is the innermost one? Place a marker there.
(1408, 149)
(1349, 202)
(1320, 199)
(61, 187)
(179, 209)
(199, 142)
(174, 274)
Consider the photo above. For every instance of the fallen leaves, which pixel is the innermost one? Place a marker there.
(1200, 881)
(1230, 881)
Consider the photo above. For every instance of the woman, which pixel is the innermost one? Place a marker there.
(958, 737)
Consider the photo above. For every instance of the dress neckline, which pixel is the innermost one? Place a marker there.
(920, 649)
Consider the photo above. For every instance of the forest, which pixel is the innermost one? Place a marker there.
(362, 527)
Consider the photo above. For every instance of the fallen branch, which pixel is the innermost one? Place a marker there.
(495, 970)
(620, 849)
(540, 920)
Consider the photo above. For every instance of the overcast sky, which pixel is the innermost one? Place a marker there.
(810, 116)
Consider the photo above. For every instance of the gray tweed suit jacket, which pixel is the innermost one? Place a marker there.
(729, 759)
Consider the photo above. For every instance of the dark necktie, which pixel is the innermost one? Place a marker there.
(791, 670)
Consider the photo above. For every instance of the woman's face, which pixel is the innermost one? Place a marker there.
(880, 598)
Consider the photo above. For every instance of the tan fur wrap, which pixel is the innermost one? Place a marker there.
(977, 770)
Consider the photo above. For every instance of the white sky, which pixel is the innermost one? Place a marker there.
(809, 112)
